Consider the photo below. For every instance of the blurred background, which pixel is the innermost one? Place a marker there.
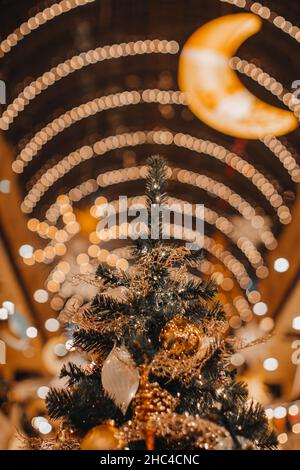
(89, 89)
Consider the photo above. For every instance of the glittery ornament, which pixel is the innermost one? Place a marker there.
(102, 437)
(150, 401)
(120, 377)
(180, 336)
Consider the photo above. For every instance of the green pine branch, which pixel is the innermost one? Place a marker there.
(92, 341)
(110, 277)
(59, 402)
(206, 290)
(103, 303)
(73, 372)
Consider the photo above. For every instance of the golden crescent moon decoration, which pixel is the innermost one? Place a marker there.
(213, 90)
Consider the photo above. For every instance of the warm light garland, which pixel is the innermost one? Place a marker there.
(265, 13)
(53, 284)
(203, 182)
(59, 238)
(38, 20)
(77, 62)
(164, 138)
(213, 218)
(221, 223)
(131, 98)
(108, 178)
(275, 87)
(90, 108)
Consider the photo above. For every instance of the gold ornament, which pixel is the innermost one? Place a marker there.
(102, 437)
(179, 336)
(150, 400)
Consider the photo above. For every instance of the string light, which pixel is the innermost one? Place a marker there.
(94, 238)
(269, 413)
(42, 392)
(284, 416)
(31, 332)
(293, 410)
(139, 172)
(26, 251)
(260, 308)
(210, 216)
(265, 13)
(280, 412)
(281, 265)
(267, 324)
(60, 350)
(285, 157)
(237, 360)
(270, 364)
(77, 62)
(296, 428)
(230, 262)
(38, 20)
(282, 438)
(40, 296)
(3, 313)
(5, 186)
(287, 215)
(296, 323)
(149, 96)
(63, 201)
(9, 306)
(52, 324)
(180, 140)
(45, 427)
(235, 3)
(58, 125)
(58, 238)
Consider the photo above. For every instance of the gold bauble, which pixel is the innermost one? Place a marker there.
(179, 336)
(102, 437)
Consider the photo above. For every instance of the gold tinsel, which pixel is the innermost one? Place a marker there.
(150, 401)
(188, 430)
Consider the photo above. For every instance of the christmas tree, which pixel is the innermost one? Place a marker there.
(159, 373)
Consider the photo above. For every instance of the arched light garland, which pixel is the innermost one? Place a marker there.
(213, 218)
(87, 109)
(266, 14)
(124, 175)
(63, 205)
(34, 22)
(65, 120)
(164, 138)
(268, 82)
(61, 237)
(285, 156)
(156, 96)
(205, 267)
(71, 228)
(239, 310)
(216, 249)
(58, 237)
(222, 191)
(134, 97)
(64, 6)
(77, 62)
